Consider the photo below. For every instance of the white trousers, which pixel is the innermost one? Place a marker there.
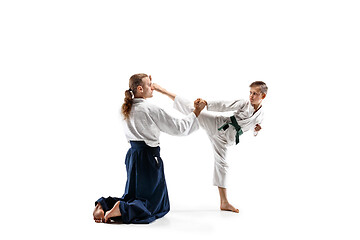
(219, 139)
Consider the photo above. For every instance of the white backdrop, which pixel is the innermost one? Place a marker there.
(65, 66)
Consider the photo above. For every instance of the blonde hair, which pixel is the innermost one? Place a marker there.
(262, 85)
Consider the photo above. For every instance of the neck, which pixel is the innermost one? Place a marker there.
(256, 106)
(138, 96)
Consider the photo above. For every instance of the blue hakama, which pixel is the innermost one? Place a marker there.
(146, 196)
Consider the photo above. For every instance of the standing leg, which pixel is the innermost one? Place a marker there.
(210, 124)
(224, 203)
(220, 171)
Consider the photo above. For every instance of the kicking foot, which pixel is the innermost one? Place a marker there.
(114, 212)
(228, 207)
(98, 213)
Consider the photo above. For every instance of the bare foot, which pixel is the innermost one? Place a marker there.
(226, 206)
(98, 213)
(114, 212)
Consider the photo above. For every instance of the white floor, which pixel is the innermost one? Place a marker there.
(255, 221)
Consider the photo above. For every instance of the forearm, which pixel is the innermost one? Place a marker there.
(170, 95)
(175, 126)
(165, 92)
(197, 112)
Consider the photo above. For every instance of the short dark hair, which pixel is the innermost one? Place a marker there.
(262, 85)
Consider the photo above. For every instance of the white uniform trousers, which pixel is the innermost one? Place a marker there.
(220, 140)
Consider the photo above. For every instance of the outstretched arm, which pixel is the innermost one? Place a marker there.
(164, 91)
(198, 105)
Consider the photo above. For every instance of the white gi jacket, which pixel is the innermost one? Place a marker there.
(146, 121)
(244, 112)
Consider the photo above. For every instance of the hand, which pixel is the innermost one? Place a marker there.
(158, 88)
(162, 90)
(257, 127)
(200, 100)
(199, 106)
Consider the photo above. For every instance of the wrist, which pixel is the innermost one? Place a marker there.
(196, 112)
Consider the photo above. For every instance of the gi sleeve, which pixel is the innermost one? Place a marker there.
(174, 126)
(225, 106)
(183, 105)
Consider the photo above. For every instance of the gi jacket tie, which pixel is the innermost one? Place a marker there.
(235, 125)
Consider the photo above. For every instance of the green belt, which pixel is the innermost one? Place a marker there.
(236, 126)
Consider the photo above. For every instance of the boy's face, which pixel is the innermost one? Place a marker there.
(256, 96)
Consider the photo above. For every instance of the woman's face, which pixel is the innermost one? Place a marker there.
(147, 88)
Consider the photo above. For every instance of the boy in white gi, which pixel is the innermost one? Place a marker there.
(225, 131)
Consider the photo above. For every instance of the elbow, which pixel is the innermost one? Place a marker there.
(184, 131)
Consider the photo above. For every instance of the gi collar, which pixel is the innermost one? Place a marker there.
(139, 100)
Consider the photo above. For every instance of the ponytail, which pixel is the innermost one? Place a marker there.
(128, 101)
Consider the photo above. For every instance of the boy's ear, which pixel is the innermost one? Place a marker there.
(264, 95)
(139, 88)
